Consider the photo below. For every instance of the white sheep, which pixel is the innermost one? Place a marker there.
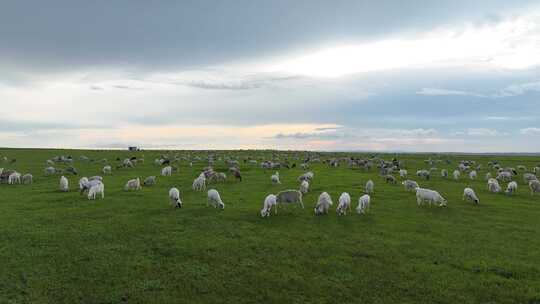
(304, 187)
(133, 184)
(214, 199)
(64, 184)
(50, 170)
(275, 178)
(410, 185)
(96, 188)
(199, 184)
(369, 187)
(472, 175)
(430, 196)
(363, 204)
(534, 185)
(511, 188)
(456, 174)
(27, 179)
(306, 176)
(14, 178)
(323, 204)
(403, 173)
(149, 181)
(269, 202)
(166, 171)
(469, 194)
(493, 185)
(504, 176)
(107, 170)
(174, 198)
(344, 203)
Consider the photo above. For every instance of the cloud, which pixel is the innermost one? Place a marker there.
(480, 132)
(530, 131)
(518, 89)
(443, 92)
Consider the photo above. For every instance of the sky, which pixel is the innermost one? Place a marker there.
(415, 76)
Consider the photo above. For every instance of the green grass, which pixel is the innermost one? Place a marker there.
(133, 247)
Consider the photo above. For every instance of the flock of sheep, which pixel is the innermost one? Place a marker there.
(94, 187)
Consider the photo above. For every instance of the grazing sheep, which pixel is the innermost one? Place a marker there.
(174, 198)
(50, 170)
(308, 176)
(96, 188)
(403, 173)
(430, 196)
(323, 204)
(107, 170)
(214, 199)
(410, 185)
(149, 181)
(423, 173)
(493, 185)
(304, 166)
(133, 184)
(86, 185)
(390, 179)
(534, 185)
(363, 204)
(275, 178)
(199, 184)
(290, 197)
(369, 187)
(236, 173)
(64, 184)
(527, 177)
(83, 182)
(504, 176)
(469, 194)
(444, 173)
(27, 179)
(344, 204)
(166, 171)
(511, 188)
(14, 178)
(456, 174)
(304, 187)
(472, 175)
(269, 202)
(127, 163)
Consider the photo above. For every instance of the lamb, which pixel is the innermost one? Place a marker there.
(107, 170)
(96, 187)
(199, 184)
(304, 187)
(403, 173)
(27, 179)
(344, 204)
(269, 202)
(133, 184)
(469, 194)
(430, 196)
(323, 204)
(363, 204)
(410, 184)
(534, 185)
(14, 178)
(511, 188)
(149, 181)
(369, 187)
(290, 197)
(456, 174)
(214, 199)
(472, 175)
(166, 171)
(493, 185)
(275, 178)
(64, 184)
(174, 198)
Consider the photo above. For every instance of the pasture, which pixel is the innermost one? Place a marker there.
(133, 247)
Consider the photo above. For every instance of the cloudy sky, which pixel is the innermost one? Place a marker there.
(442, 76)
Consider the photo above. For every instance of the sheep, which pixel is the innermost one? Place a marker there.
(409, 184)
(64, 184)
(304, 166)
(214, 199)
(275, 178)
(14, 178)
(149, 181)
(304, 187)
(456, 174)
(174, 198)
(290, 197)
(369, 187)
(363, 204)
(96, 187)
(504, 176)
(199, 184)
(50, 170)
(511, 188)
(83, 182)
(106, 170)
(423, 173)
(127, 163)
(308, 176)
(269, 202)
(493, 186)
(403, 173)
(390, 179)
(86, 185)
(472, 175)
(95, 177)
(430, 196)
(166, 171)
(488, 176)
(236, 173)
(469, 194)
(527, 177)
(133, 184)
(444, 173)
(27, 179)
(323, 204)
(534, 185)
(344, 204)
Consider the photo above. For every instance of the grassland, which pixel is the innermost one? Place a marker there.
(132, 247)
